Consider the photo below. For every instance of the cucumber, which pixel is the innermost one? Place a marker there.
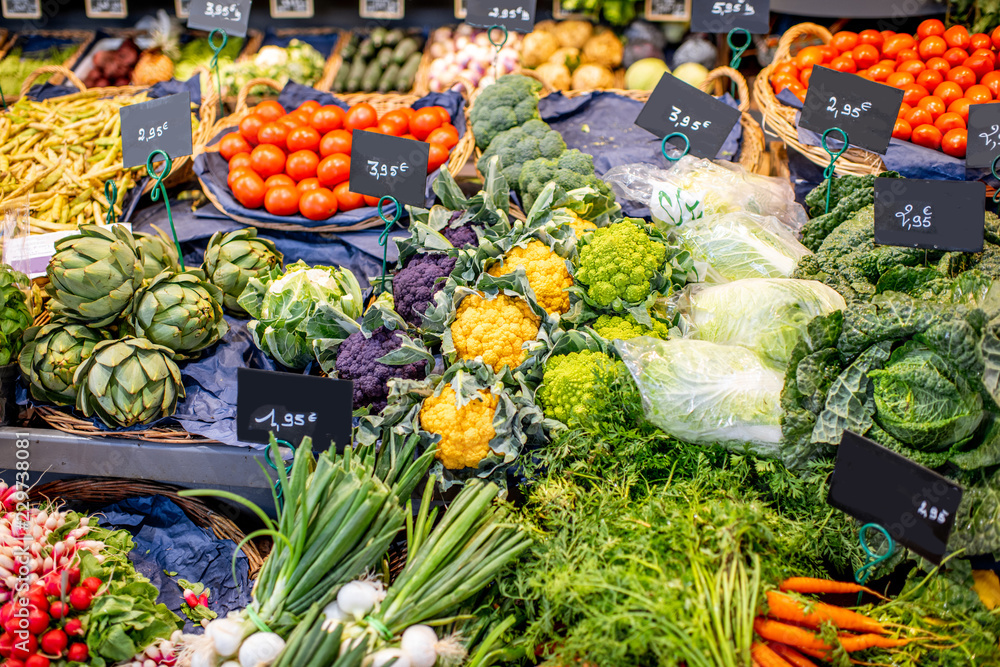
(343, 74)
(373, 73)
(384, 57)
(404, 50)
(393, 37)
(388, 78)
(357, 72)
(407, 73)
(378, 37)
(350, 46)
(367, 48)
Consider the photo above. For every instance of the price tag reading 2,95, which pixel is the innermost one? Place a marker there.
(229, 15)
(721, 17)
(163, 124)
(932, 214)
(866, 110)
(386, 165)
(516, 15)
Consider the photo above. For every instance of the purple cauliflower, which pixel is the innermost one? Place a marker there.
(414, 287)
(357, 361)
(462, 236)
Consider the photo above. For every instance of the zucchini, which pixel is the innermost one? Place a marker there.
(350, 46)
(384, 57)
(393, 37)
(388, 78)
(407, 73)
(404, 50)
(357, 71)
(367, 48)
(373, 73)
(378, 37)
(343, 74)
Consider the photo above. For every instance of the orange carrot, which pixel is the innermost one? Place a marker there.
(783, 633)
(786, 608)
(766, 657)
(811, 585)
(792, 656)
(852, 643)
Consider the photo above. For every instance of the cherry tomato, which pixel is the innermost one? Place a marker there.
(871, 37)
(334, 169)
(986, 53)
(844, 64)
(957, 36)
(424, 122)
(961, 75)
(953, 142)
(303, 139)
(282, 200)
(886, 34)
(781, 81)
(781, 68)
(267, 160)
(927, 136)
(318, 204)
(308, 107)
(978, 94)
(864, 55)
(805, 76)
(278, 179)
(338, 141)
(980, 65)
(914, 93)
(980, 40)
(930, 79)
(347, 200)
(913, 67)
(250, 126)
(399, 125)
(961, 107)
(274, 133)
(360, 116)
(930, 27)
(949, 121)
(235, 174)
(901, 130)
(233, 143)
(900, 80)
(269, 110)
(446, 117)
(863, 73)
(249, 190)
(949, 91)
(938, 64)
(327, 119)
(992, 81)
(897, 43)
(437, 156)
(239, 160)
(907, 54)
(995, 37)
(917, 116)
(955, 56)
(932, 47)
(845, 40)
(809, 56)
(446, 136)
(307, 184)
(903, 109)
(880, 72)
(291, 121)
(933, 105)
(302, 165)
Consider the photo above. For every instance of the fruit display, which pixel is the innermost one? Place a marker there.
(114, 67)
(573, 55)
(298, 61)
(464, 54)
(382, 60)
(20, 61)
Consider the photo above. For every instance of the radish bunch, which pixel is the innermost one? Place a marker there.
(162, 653)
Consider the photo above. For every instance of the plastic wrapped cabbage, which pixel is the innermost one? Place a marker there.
(705, 393)
(767, 315)
(740, 245)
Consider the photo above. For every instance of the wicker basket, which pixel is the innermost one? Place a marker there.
(83, 38)
(99, 491)
(382, 103)
(780, 118)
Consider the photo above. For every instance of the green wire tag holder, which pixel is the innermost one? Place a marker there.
(738, 52)
(993, 170)
(216, 50)
(111, 194)
(687, 146)
(383, 238)
(828, 173)
(863, 572)
(3, 99)
(497, 46)
(274, 466)
(160, 191)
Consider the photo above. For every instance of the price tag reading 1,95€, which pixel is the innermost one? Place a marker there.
(516, 15)
(983, 144)
(293, 406)
(938, 215)
(676, 106)
(916, 505)
(229, 15)
(866, 110)
(162, 124)
(386, 165)
(721, 17)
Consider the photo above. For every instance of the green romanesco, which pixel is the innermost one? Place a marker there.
(569, 171)
(535, 139)
(511, 101)
(615, 327)
(571, 383)
(620, 261)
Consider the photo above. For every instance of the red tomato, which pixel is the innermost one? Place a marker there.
(880, 72)
(961, 107)
(318, 204)
(239, 160)
(949, 91)
(995, 37)
(274, 133)
(374, 130)
(961, 75)
(864, 55)
(933, 105)
(949, 121)
(809, 56)
(307, 184)
(844, 64)
(986, 53)
(871, 37)
(236, 174)
(938, 64)
(897, 43)
(308, 107)
(903, 109)
(992, 81)
(957, 36)
(805, 76)
(900, 80)
(278, 179)
(927, 136)
(409, 136)
(303, 138)
(978, 94)
(863, 73)
(338, 141)
(267, 160)
(446, 117)
(953, 142)
(980, 40)
(282, 200)
(914, 93)
(781, 68)
(347, 200)
(907, 54)
(291, 121)
(917, 116)
(249, 190)
(446, 136)
(399, 124)
(327, 119)
(360, 116)
(302, 165)
(233, 143)
(955, 56)
(845, 40)
(886, 34)
(437, 156)
(269, 110)
(930, 79)
(913, 67)
(250, 126)
(334, 169)
(930, 27)
(901, 130)
(980, 65)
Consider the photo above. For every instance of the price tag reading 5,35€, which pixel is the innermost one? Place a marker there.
(721, 17)
(385, 165)
(516, 15)
(866, 110)
(675, 106)
(939, 215)
(162, 124)
(229, 15)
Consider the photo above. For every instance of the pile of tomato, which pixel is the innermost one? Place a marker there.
(940, 71)
(300, 162)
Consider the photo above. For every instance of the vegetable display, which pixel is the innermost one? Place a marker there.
(17, 64)
(14, 314)
(465, 54)
(572, 54)
(383, 60)
(298, 61)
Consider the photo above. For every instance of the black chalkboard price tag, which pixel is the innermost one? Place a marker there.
(676, 106)
(381, 9)
(721, 17)
(983, 144)
(293, 406)
(876, 485)
(106, 9)
(292, 9)
(162, 124)
(671, 11)
(385, 165)
(866, 110)
(21, 9)
(516, 15)
(229, 15)
(937, 215)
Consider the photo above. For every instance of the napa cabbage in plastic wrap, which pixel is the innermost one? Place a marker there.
(705, 393)
(767, 315)
(740, 245)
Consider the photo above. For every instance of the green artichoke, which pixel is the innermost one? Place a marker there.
(127, 382)
(50, 357)
(93, 275)
(232, 259)
(15, 316)
(158, 254)
(180, 311)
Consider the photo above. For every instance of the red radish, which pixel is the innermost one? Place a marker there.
(24, 646)
(37, 599)
(6, 612)
(54, 642)
(190, 599)
(203, 599)
(59, 609)
(78, 652)
(53, 588)
(74, 627)
(74, 576)
(37, 661)
(92, 584)
(37, 621)
(13, 662)
(80, 598)
(6, 644)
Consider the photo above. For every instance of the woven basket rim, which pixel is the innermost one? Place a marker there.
(84, 38)
(62, 419)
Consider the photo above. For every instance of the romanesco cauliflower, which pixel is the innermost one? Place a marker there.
(614, 327)
(465, 431)
(494, 330)
(620, 260)
(546, 271)
(571, 383)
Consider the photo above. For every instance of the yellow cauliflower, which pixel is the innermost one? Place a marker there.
(494, 329)
(546, 271)
(578, 224)
(465, 432)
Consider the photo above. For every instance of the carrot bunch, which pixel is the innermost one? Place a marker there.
(788, 632)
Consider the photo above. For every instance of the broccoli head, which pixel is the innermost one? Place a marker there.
(620, 261)
(511, 101)
(533, 140)
(414, 287)
(357, 360)
(571, 170)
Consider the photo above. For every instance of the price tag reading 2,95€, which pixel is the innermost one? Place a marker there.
(866, 110)
(162, 124)
(937, 215)
(721, 17)
(516, 15)
(676, 106)
(229, 15)
(386, 165)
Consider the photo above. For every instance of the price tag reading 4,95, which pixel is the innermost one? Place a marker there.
(940, 215)
(516, 15)
(229, 15)
(292, 407)
(721, 17)
(675, 106)
(386, 165)
(916, 505)
(866, 110)
(162, 124)
(983, 144)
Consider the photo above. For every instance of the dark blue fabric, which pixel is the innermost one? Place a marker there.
(166, 540)
(596, 121)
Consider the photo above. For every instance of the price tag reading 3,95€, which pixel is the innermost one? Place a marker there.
(516, 15)
(721, 17)
(385, 165)
(162, 124)
(937, 215)
(866, 110)
(229, 15)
